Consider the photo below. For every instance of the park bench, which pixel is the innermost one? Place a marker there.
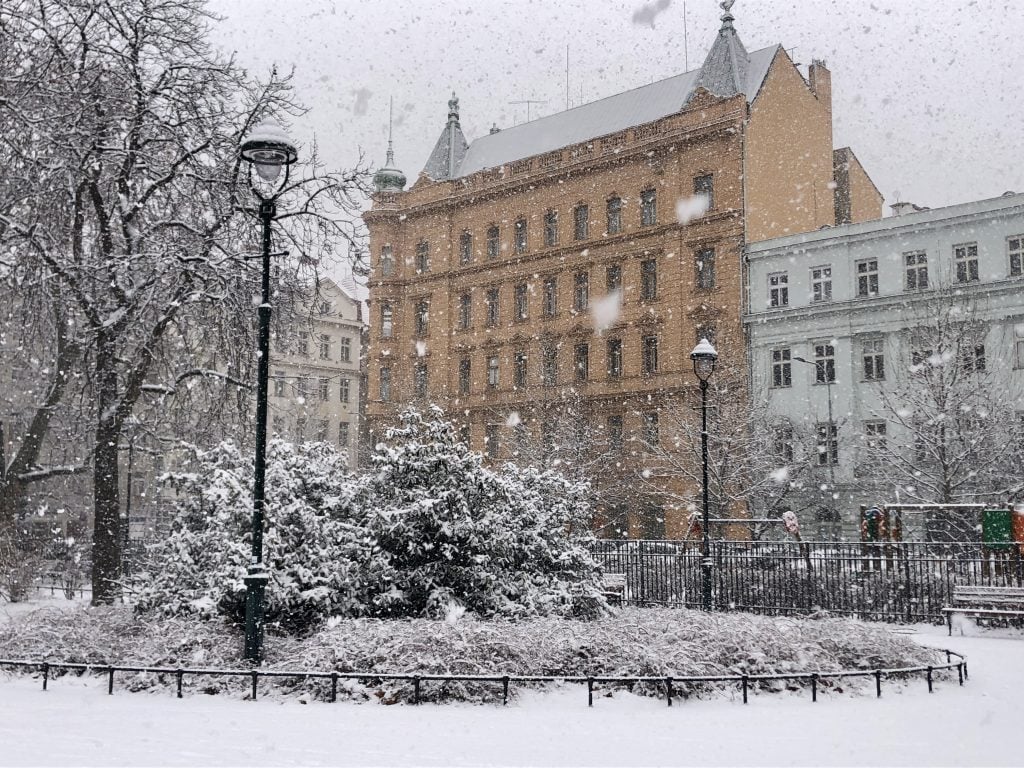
(613, 587)
(985, 602)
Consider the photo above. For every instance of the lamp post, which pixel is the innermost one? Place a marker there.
(268, 148)
(704, 357)
(820, 371)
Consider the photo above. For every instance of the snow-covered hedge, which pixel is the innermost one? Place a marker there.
(637, 642)
(429, 529)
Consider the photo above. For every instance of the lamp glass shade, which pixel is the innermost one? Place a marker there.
(704, 357)
(268, 147)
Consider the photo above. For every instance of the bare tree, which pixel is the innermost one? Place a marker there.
(120, 128)
(950, 432)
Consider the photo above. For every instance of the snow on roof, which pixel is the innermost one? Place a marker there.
(599, 118)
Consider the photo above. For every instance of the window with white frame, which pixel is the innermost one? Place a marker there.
(1015, 252)
(648, 208)
(279, 384)
(322, 429)
(581, 291)
(648, 280)
(342, 434)
(387, 261)
(492, 371)
(519, 236)
(492, 306)
(782, 368)
(867, 277)
(325, 347)
(778, 289)
(824, 363)
(915, 266)
(422, 316)
(387, 320)
(874, 434)
(344, 390)
(965, 258)
(827, 443)
(873, 359)
(581, 221)
(346, 349)
(324, 388)
(614, 215)
(493, 241)
(821, 283)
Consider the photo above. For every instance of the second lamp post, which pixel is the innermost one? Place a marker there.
(268, 149)
(704, 357)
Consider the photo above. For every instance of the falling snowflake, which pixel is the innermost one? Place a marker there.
(690, 208)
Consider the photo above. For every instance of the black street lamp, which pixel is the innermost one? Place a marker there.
(268, 148)
(704, 357)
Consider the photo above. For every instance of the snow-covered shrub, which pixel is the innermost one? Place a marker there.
(447, 531)
(311, 551)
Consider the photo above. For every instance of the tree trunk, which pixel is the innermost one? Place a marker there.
(106, 534)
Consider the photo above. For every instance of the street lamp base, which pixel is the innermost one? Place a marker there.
(255, 588)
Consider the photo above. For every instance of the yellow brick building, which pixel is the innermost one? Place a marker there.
(554, 276)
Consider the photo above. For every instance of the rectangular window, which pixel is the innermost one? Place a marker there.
(522, 301)
(322, 428)
(1018, 345)
(705, 185)
(614, 424)
(782, 441)
(387, 261)
(650, 354)
(422, 256)
(652, 432)
(491, 440)
(465, 310)
(648, 208)
(581, 362)
(581, 222)
(465, 248)
(782, 368)
(300, 429)
(824, 363)
(828, 444)
(344, 388)
(613, 278)
(614, 212)
(648, 280)
(915, 265)
(549, 365)
(387, 320)
(874, 359)
(278, 426)
(972, 358)
(966, 258)
(821, 284)
(519, 235)
(325, 347)
(279, 384)
(1015, 250)
(303, 388)
(778, 289)
(706, 269)
(614, 358)
(493, 242)
(465, 368)
(550, 228)
(874, 435)
(867, 278)
(343, 434)
(492, 306)
(550, 297)
(385, 384)
(303, 344)
(581, 291)
(346, 349)
(324, 389)
(419, 380)
(492, 371)
(422, 317)
(520, 366)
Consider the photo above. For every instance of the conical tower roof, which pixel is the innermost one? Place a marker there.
(450, 148)
(724, 72)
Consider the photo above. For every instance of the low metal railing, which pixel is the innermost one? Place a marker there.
(744, 682)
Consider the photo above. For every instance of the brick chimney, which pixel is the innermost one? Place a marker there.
(820, 81)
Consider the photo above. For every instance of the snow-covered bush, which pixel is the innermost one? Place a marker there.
(430, 530)
(311, 551)
(448, 532)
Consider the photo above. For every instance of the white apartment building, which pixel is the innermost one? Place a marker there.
(835, 318)
(315, 379)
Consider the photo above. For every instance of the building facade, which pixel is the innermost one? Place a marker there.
(896, 349)
(545, 284)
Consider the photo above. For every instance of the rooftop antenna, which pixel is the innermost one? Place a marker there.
(528, 102)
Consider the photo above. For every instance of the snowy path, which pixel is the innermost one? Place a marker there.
(76, 724)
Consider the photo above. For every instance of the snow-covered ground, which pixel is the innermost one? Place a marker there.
(76, 723)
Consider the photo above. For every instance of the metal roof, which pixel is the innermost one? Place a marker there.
(599, 118)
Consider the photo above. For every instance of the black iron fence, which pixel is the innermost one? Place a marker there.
(879, 582)
(671, 686)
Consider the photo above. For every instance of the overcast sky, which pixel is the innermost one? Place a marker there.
(930, 95)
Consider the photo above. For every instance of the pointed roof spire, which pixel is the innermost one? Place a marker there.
(389, 178)
(724, 71)
(450, 149)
